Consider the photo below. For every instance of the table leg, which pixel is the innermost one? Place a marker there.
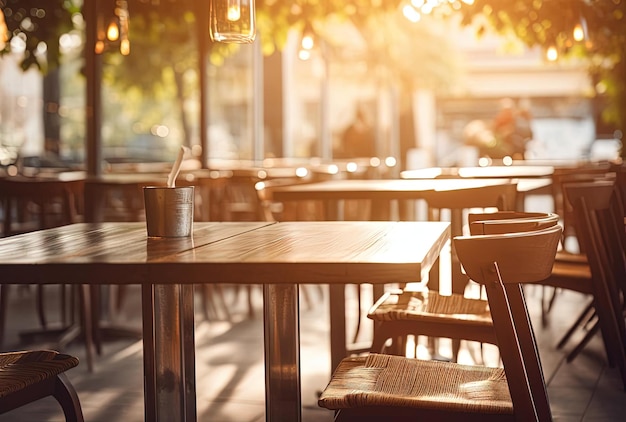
(169, 353)
(333, 210)
(282, 353)
(339, 348)
(337, 303)
(459, 279)
(380, 210)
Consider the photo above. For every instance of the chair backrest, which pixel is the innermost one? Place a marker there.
(501, 262)
(603, 215)
(503, 196)
(521, 256)
(600, 230)
(561, 176)
(240, 201)
(510, 221)
(620, 177)
(16, 192)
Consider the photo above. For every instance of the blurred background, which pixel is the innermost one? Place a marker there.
(421, 76)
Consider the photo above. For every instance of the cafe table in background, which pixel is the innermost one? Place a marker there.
(488, 172)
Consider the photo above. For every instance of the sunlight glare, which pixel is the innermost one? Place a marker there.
(411, 14)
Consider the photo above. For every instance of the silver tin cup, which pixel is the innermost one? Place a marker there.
(169, 211)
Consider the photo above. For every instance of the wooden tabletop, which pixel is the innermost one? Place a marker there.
(377, 188)
(479, 172)
(311, 252)
(277, 255)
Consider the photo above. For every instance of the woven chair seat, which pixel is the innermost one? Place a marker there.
(570, 275)
(19, 370)
(394, 381)
(427, 304)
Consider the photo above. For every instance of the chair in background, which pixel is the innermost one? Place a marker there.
(562, 205)
(30, 204)
(387, 387)
(572, 250)
(599, 218)
(28, 376)
(577, 275)
(33, 203)
(398, 315)
(570, 271)
(500, 196)
(243, 200)
(239, 201)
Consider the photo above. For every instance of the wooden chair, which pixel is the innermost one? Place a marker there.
(501, 196)
(573, 274)
(425, 312)
(599, 218)
(244, 200)
(31, 204)
(387, 387)
(572, 251)
(28, 376)
(562, 176)
(570, 271)
(38, 203)
(52, 201)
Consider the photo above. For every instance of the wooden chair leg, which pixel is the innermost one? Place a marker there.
(122, 291)
(65, 394)
(63, 304)
(4, 302)
(585, 315)
(204, 295)
(94, 320)
(583, 342)
(219, 292)
(41, 313)
(358, 314)
(250, 304)
(456, 346)
(213, 295)
(86, 324)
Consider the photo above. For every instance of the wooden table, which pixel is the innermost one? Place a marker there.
(380, 192)
(530, 179)
(277, 255)
(454, 194)
(490, 172)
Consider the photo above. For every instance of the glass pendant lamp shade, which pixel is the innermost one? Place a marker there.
(233, 21)
(112, 28)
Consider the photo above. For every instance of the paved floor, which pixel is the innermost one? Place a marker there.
(230, 374)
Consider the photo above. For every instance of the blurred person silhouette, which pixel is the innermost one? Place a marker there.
(523, 126)
(358, 139)
(512, 129)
